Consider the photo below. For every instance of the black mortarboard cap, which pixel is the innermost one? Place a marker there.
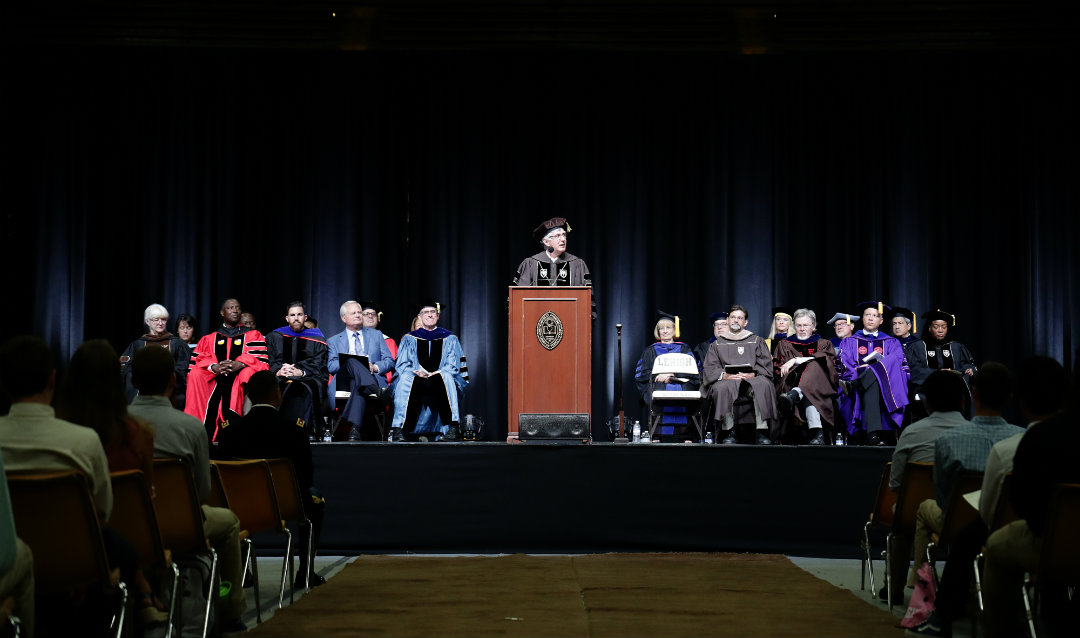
(660, 314)
(906, 313)
(430, 302)
(882, 307)
(555, 222)
(717, 315)
(939, 315)
(364, 305)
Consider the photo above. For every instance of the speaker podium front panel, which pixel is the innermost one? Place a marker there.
(550, 358)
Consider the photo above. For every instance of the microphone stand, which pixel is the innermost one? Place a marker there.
(618, 375)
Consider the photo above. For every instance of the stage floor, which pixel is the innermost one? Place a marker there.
(601, 497)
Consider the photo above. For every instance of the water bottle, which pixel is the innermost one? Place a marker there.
(327, 437)
(839, 439)
(645, 438)
(637, 432)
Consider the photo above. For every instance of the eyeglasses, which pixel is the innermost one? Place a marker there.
(557, 236)
(368, 314)
(428, 312)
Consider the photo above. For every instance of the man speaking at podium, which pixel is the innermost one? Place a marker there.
(553, 266)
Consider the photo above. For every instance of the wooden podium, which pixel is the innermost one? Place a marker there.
(550, 353)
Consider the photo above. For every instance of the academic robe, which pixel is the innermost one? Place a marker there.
(817, 379)
(568, 270)
(177, 348)
(748, 349)
(306, 350)
(238, 344)
(643, 378)
(452, 368)
(889, 371)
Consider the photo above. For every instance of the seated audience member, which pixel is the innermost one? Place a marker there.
(843, 325)
(961, 449)
(806, 376)
(90, 394)
(1048, 454)
(944, 402)
(156, 318)
(372, 316)
(780, 328)
(16, 563)
(32, 439)
(673, 423)
(265, 433)
(872, 367)
(298, 357)
(432, 375)
(223, 361)
(187, 328)
(736, 361)
(248, 321)
(179, 435)
(719, 322)
(364, 381)
(938, 351)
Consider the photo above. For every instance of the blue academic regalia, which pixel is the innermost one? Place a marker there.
(454, 374)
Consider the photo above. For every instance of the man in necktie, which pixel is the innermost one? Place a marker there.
(364, 382)
(873, 376)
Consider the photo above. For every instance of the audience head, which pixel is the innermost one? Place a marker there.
(156, 318)
(295, 315)
(352, 315)
(991, 386)
(153, 371)
(804, 322)
(230, 312)
(262, 387)
(26, 369)
(91, 392)
(1042, 387)
(187, 328)
(944, 391)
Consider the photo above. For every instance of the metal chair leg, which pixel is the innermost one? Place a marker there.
(285, 569)
(888, 554)
(1027, 605)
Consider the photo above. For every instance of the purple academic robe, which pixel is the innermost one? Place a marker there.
(889, 372)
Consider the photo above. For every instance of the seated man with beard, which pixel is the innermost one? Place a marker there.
(806, 376)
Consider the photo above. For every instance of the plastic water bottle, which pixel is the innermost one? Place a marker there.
(839, 439)
(645, 438)
(327, 436)
(637, 432)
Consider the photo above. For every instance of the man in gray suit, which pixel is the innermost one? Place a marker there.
(364, 382)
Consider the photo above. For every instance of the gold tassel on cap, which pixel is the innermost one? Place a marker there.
(676, 326)
(880, 308)
(438, 308)
(567, 226)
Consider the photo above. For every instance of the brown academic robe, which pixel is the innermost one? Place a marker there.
(817, 379)
(748, 349)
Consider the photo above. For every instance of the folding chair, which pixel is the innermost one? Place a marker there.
(916, 486)
(1004, 513)
(1059, 562)
(134, 518)
(681, 365)
(180, 520)
(291, 508)
(55, 516)
(882, 514)
(958, 515)
(249, 489)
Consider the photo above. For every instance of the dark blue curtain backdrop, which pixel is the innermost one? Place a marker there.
(691, 182)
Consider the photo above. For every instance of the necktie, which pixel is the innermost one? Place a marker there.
(358, 343)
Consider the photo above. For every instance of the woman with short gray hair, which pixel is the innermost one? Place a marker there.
(156, 318)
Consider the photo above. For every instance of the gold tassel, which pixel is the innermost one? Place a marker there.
(880, 308)
(676, 326)
(380, 316)
(438, 308)
(567, 226)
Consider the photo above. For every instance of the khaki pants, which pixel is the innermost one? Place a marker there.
(223, 529)
(1010, 551)
(928, 519)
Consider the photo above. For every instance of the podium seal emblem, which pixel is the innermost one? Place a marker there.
(549, 330)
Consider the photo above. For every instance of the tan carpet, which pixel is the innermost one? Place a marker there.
(593, 595)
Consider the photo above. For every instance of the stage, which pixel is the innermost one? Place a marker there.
(601, 497)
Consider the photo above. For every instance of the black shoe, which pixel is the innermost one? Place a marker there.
(452, 433)
(762, 439)
(875, 438)
(316, 580)
(818, 437)
(897, 599)
(729, 437)
(786, 404)
(396, 435)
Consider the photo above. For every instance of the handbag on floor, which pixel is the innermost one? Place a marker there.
(922, 599)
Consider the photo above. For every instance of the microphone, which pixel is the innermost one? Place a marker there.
(551, 249)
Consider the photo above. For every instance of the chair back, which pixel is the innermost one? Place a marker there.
(133, 516)
(55, 516)
(1059, 563)
(916, 486)
(675, 363)
(959, 513)
(287, 490)
(1004, 512)
(179, 514)
(216, 497)
(882, 514)
(249, 490)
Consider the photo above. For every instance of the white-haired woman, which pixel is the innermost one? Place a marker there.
(673, 423)
(156, 318)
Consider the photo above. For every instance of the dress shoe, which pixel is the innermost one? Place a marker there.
(816, 437)
(396, 436)
(786, 404)
(452, 433)
(762, 439)
(315, 579)
(875, 438)
(729, 437)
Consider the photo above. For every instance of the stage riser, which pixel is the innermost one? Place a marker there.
(498, 498)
